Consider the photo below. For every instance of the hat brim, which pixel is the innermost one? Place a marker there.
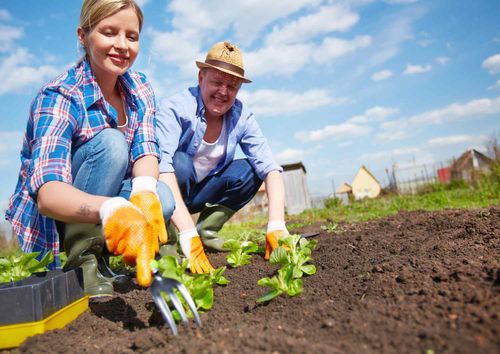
(202, 65)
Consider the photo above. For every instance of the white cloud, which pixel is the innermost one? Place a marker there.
(400, 152)
(290, 58)
(401, 128)
(455, 111)
(17, 75)
(5, 15)
(417, 69)
(343, 131)
(290, 155)
(374, 114)
(495, 86)
(270, 102)
(442, 60)
(8, 35)
(382, 75)
(325, 20)
(457, 139)
(344, 144)
(246, 19)
(333, 48)
(492, 64)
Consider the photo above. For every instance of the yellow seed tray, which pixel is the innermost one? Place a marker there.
(13, 335)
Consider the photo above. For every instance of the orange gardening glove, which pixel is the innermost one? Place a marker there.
(272, 242)
(128, 233)
(145, 198)
(193, 250)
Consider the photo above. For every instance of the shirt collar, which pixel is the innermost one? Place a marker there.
(92, 92)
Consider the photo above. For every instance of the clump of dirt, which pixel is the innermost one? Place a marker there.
(408, 283)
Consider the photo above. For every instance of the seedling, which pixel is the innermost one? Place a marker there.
(21, 265)
(200, 286)
(293, 253)
(240, 252)
(330, 228)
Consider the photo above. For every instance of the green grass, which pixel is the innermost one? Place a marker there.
(439, 197)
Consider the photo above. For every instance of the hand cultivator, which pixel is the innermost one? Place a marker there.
(168, 285)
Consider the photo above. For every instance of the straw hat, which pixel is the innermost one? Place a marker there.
(225, 57)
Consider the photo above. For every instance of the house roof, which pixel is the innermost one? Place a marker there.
(344, 188)
(294, 166)
(465, 160)
(369, 173)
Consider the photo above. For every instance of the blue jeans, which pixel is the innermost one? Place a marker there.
(234, 186)
(99, 167)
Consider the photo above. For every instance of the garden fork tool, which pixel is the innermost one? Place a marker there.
(168, 285)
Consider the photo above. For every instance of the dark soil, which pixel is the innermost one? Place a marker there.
(416, 282)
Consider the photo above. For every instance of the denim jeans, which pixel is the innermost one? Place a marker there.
(99, 166)
(234, 186)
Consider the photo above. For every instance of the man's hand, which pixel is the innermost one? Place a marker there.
(193, 250)
(144, 197)
(128, 233)
(272, 242)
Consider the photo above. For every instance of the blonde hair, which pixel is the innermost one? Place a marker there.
(93, 11)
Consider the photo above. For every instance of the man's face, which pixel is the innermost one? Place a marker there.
(218, 91)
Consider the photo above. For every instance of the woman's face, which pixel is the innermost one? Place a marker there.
(113, 44)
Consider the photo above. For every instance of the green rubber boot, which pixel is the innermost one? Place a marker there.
(211, 220)
(107, 272)
(171, 247)
(83, 244)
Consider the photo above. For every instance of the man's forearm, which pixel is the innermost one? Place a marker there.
(275, 190)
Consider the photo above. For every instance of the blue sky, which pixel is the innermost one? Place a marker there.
(336, 84)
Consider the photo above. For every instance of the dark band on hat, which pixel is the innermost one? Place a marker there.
(227, 66)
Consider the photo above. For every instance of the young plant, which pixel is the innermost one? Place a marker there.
(298, 254)
(283, 282)
(21, 265)
(200, 286)
(293, 253)
(240, 252)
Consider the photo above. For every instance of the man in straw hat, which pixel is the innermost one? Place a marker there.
(198, 132)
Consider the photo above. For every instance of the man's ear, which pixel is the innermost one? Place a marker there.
(81, 36)
(200, 77)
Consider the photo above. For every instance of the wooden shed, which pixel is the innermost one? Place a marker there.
(470, 165)
(297, 196)
(344, 192)
(365, 185)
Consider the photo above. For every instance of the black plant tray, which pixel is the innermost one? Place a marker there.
(37, 297)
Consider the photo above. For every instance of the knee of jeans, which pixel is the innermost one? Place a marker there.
(167, 200)
(113, 148)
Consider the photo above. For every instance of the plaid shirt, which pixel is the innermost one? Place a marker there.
(67, 112)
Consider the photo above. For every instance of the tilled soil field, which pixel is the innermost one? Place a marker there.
(416, 282)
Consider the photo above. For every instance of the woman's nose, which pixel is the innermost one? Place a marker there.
(120, 42)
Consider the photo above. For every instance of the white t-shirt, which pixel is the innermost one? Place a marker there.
(209, 154)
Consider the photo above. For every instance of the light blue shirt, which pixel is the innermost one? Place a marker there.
(181, 125)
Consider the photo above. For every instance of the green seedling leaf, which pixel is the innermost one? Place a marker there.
(22, 265)
(240, 252)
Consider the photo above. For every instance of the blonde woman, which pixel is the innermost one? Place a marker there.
(90, 146)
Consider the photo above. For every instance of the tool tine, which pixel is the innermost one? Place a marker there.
(177, 303)
(182, 289)
(162, 305)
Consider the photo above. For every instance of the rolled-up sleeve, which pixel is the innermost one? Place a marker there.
(145, 142)
(256, 148)
(53, 125)
(168, 131)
